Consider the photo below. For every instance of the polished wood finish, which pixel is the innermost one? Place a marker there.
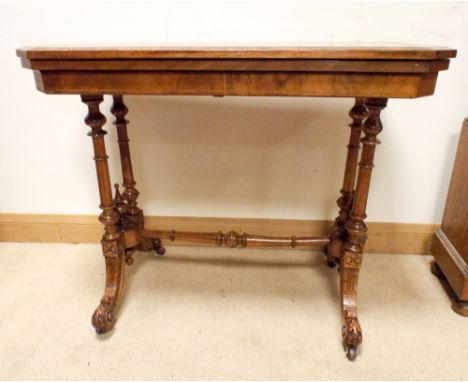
(459, 306)
(233, 239)
(450, 246)
(112, 243)
(356, 229)
(299, 84)
(130, 195)
(284, 65)
(339, 72)
(338, 234)
(370, 75)
(344, 53)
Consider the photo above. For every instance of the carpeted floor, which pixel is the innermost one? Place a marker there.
(206, 313)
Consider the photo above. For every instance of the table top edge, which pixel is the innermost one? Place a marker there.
(290, 52)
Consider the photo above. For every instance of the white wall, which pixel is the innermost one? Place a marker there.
(233, 157)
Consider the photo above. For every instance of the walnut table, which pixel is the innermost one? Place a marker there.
(368, 75)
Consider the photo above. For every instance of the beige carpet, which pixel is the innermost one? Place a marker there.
(201, 313)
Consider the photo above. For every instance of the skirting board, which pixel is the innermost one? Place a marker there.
(383, 237)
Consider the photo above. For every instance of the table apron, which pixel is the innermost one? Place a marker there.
(386, 85)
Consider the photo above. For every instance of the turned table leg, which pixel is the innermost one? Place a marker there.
(338, 233)
(130, 194)
(131, 216)
(356, 229)
(112, 244)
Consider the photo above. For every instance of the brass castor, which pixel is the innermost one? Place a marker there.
(159, 249)
(351, 352)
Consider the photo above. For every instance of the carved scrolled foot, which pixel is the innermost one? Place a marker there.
(103, 318)
(349, 274)
(352, 337)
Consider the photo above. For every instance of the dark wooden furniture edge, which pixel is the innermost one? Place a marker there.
(450, 244)
(284, 84)
(283, 65)
(384, 53)
(459, 306)
(451, 264)
(326, 72)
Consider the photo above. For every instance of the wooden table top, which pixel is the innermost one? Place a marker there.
(399, 71)
(361, 53)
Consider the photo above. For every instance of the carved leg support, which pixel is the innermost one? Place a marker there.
(131, 216)
(338, 233)
(112, 243)
(356, 229)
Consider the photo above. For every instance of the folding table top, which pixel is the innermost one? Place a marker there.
(398, 71)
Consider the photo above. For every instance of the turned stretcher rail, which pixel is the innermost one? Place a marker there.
(233, 239)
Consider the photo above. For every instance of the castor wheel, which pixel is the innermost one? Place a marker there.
(331, 263)
(159, 249)
(129, 260)
(351, 352)
(129, 256)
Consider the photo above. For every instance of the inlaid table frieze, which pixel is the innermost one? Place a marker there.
(370, 76)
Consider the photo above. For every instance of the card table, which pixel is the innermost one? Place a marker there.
(369, 75)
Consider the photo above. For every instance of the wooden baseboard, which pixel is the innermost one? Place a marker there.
(383, 237)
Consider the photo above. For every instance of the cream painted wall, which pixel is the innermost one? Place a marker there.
(232, 157)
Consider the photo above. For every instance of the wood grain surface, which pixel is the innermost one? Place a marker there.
(344, 52)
